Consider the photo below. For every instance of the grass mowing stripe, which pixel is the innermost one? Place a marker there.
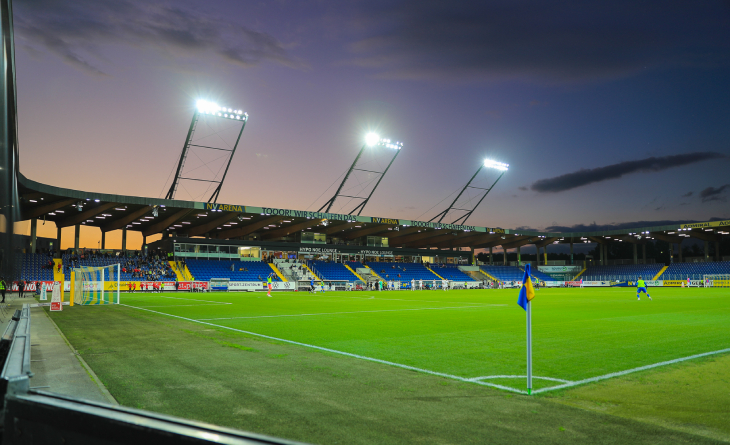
(334, 351)
(336, 313)
(630, 371)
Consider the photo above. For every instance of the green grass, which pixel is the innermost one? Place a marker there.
(206, 370)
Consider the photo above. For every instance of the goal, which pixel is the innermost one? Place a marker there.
(95, 285)
(717, 280)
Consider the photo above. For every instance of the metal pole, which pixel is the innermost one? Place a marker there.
(529, 347)
(443, 214)
(480, 201)
(173, 187)
(218, 189)
(332, 200)
(362, 205)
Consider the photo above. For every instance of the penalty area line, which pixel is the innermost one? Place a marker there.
(334, 351)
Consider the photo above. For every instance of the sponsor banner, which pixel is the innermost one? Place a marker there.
(223, 207)
(188, 285)
(31, 286)
(559, 269)
(305, 214)
(706, 224)
(556, 283)
(680, 283)
(385, 220)
(259, 285)
(597, 283)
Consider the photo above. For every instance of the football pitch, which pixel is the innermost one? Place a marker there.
(328, 367)
(579, 335)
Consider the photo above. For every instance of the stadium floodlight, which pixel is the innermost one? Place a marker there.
(371, 140)
(213, 109)
(208, 108)
(489, 163)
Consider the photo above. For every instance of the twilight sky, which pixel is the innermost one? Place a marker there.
(607, 112)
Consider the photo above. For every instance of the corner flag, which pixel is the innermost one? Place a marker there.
(527, 292)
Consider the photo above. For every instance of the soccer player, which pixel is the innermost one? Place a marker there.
(268, 282)
(641, 287)
(688, 282)
(311, 285)
(434, 285)
(420, 284)
(445, 284)
(413, 284)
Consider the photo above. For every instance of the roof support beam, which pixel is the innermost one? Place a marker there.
(41, 210)
(247, 229)
(84, 215)
(211, 224)
(125, 220)
(160, 225)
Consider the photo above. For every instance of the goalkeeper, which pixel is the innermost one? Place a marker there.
(641, 287)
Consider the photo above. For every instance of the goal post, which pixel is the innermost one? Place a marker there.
(95, 285)
(716, 280)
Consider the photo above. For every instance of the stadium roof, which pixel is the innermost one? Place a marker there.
(152, 216)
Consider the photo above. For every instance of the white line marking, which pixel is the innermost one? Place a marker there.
(519, 377)
(337, 313)
(629, 371)
(185, 305)
(190, 299)
(334, 351)
(440, 374)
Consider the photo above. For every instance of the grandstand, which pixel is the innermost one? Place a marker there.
(332, 271)
(504, 273)
(622, 272)
(204, 270)
(694, 271)
(135, 268)
(450, 272)
(35, 267)
(402, 271)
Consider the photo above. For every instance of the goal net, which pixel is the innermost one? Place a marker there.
(717, 280)
(95, 285)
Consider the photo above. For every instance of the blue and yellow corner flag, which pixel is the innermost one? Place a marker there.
(527, 293)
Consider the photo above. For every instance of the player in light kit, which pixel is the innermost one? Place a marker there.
(688, 282)
(641, 287)
(413, 284)
(445, 284)
(420, 284)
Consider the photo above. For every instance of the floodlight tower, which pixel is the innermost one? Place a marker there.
(487, 163)
(205, 108)
(372, 142)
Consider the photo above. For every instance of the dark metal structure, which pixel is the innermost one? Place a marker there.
(9, 202)
(384, 143)
(462, 219)
(207, 109)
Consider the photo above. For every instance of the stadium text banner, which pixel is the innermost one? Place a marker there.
(706, 224)
(289, 213)
(559, 269)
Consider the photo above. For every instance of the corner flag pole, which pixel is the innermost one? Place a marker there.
(529, 347)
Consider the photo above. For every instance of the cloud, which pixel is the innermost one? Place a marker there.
(81, 31)
(589, 176)
(714, 194)
(687, 195)
(524, 189)
(620, 226)
(536, 40)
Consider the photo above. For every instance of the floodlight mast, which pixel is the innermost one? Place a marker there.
(371, 140)
(462, 219)
(207, 108)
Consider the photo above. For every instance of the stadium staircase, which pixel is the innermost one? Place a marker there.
(278, 273)
(488, 275)
(656, 277)
(176, 269)
(312, 272)
(440, 277)
(355, 273)
(373, 273)
(58, 275)
(575, 278)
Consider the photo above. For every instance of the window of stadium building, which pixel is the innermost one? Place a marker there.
(377, 241)
(313, 238)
